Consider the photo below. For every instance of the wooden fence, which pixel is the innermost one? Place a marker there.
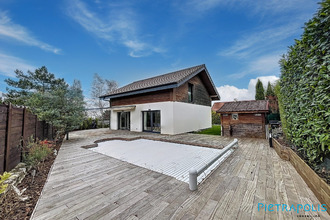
(17, 125)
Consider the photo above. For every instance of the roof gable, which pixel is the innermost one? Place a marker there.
(245, 106)
(166, 81)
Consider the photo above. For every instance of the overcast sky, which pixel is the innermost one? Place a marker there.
(238, 40)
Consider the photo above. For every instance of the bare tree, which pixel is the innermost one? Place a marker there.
(101, 87)
(111, 85)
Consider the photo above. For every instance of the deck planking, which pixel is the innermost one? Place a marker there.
(87, 185)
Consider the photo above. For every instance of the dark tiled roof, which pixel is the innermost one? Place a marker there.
(244, 106)
(169, 78)
(217, 105)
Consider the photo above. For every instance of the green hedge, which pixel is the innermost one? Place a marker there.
(305, 88)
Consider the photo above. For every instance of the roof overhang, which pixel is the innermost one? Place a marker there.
(136, 92)
(123, 108)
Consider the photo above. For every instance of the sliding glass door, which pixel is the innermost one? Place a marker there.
(151, 121)
(124, 121)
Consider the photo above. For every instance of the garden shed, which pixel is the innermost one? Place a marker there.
(244, 118)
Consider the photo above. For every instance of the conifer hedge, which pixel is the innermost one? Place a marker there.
(305, 88)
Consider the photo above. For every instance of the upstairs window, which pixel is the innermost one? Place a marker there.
(190, 93)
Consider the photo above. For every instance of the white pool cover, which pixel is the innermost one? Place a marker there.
(168, 158)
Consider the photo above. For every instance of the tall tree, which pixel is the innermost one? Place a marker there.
(269, 90)
(51, 99)
(38, 81)
(260, 92)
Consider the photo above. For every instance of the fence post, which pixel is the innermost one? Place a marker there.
(7, 146)
(24, 129)
(24, 124)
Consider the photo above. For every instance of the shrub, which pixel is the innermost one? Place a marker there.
(36, 151)
(89, 123)
(3, 178)
(215, 118)
(304, 88)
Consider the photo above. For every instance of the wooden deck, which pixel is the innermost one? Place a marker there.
(88, 185)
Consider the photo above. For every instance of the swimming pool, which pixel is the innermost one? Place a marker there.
(171, 159)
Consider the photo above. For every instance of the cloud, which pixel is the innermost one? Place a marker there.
(256, 6)
(8, 64)
(10, 30)
(261, 41)
(260, 51)
(229, 93)
(263, 65)
(120, 26)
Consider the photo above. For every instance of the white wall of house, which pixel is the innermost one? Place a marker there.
(190, 117)
(176, 117)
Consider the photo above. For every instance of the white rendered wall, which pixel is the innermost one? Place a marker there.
(175, 117)
(191, 117)
(166, 116)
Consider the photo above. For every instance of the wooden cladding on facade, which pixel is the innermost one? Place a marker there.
(179, 94)
(17, 125)
(200, 94)
(246, 125)
(158, 96)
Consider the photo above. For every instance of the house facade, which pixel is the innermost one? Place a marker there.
(172, 103)
(244, 118)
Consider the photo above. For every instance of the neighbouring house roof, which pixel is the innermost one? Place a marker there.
(217, 105)
(167, 81)
(245, 106)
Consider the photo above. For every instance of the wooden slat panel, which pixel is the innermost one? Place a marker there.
(15, 132)
(7, 146)
(40, 129)
(3, 125)
(2, 163)
(2, 141)
(3, 115)
(3, 129)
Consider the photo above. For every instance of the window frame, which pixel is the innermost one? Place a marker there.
(233, 116)
(152, 127)
(190, 93)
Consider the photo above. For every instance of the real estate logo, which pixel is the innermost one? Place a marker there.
(297, 208)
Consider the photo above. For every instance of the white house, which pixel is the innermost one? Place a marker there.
(172, 103)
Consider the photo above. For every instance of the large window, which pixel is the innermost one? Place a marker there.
(151, 121)
(190, 92)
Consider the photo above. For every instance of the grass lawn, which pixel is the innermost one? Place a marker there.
(215, 130)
